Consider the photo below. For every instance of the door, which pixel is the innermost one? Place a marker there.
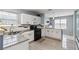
(77, 28)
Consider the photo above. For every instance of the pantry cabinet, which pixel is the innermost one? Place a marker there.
(30, 19)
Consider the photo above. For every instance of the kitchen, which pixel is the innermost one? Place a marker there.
(39, 29)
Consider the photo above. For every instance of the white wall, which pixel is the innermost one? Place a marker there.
(60, 13)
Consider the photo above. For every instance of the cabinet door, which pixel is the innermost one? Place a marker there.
(54, 34)
(26, 19)
(33, 20)
(57, 34)
(38, 20)
(29, 35)
(22, 18)
(20, 46)
(47, 32)
(43, 32)
(30, 19)
(51, 33)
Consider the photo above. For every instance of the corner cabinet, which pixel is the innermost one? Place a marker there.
(30, 19)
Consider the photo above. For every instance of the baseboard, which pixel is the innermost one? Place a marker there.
(52, 38)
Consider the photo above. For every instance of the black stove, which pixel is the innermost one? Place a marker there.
(37, 32)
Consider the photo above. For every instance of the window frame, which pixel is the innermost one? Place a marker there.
(16, 19)
(60, 23)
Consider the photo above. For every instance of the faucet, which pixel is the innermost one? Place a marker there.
(11, 29)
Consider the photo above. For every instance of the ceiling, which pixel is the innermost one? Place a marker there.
(47, 12)
(51, 10)
(55, 12)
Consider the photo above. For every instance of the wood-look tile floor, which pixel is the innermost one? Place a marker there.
(46, 44)
(51, 44)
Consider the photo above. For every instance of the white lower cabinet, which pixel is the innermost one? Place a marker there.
(9, 40)
(47, 32)
(42, 32)
(19, 46)
(29, 35)
(53, 33)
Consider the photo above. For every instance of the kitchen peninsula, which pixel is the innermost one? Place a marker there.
(16, 39)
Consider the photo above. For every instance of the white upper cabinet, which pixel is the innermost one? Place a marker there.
(30, 19)
(36, 20)
(26, 19)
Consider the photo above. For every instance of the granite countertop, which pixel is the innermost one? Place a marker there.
(18, 29)
(14, 28)
(26, 30)
(48, 28)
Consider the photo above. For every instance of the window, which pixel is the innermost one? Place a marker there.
(63, 23)
(60, 23)
(7, 18)
(57, 24)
